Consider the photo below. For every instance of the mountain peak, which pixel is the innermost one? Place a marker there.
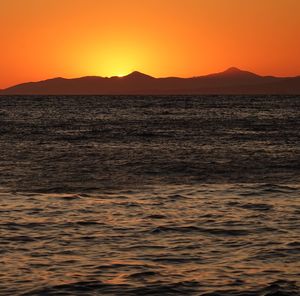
(236, 72)
(233, 70)
(137, 75)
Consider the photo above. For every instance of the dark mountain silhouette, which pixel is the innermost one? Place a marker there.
(231, 81)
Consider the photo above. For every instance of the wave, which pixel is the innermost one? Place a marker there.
(276, 288)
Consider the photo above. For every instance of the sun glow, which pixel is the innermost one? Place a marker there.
(121, 74)
(159, 38)
(118, 63)
(114, 60)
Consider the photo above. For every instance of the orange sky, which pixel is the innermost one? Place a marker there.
(48, 38)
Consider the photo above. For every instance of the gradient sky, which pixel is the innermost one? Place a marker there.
(41, 39)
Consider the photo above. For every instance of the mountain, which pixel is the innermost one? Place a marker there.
(231, 81)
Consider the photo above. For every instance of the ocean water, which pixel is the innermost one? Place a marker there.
(182, 195)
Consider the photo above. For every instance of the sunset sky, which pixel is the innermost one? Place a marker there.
(42, 39)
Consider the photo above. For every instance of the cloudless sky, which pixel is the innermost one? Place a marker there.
(41, 39)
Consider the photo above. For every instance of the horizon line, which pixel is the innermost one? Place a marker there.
(233, 69)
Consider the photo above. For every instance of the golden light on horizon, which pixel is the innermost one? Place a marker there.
(116, 60)
(74, 38)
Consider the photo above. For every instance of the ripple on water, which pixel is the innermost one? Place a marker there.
(199, 240)
(276, 288)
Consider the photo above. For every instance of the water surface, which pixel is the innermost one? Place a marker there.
(176, 195)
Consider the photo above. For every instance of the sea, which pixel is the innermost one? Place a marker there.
(150, 195)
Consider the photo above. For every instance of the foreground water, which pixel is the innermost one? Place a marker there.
(149, 195)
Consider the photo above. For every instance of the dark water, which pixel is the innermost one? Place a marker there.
(150, 195)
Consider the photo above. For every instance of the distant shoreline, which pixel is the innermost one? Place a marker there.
(233, 81)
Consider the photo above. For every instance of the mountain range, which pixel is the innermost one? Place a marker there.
(231, 81)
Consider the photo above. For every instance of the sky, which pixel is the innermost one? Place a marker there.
(43, 39)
